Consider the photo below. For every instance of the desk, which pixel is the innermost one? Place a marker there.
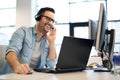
(84, 75)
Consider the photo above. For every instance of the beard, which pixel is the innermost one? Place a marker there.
(47, 27)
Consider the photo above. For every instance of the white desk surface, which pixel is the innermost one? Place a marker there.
(84, 75)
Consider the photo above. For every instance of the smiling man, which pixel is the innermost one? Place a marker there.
(33, 47)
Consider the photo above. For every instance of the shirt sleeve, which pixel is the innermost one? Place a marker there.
(15, 43)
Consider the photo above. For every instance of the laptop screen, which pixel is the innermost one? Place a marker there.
(74, 53)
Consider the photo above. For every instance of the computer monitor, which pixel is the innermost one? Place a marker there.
(92, 29)
(104, 42)
(101, 29)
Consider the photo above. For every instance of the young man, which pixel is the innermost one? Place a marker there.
(33, 47)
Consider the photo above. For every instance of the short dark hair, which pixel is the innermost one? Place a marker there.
(42, 10)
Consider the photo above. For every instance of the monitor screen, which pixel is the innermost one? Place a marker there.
(101, 29)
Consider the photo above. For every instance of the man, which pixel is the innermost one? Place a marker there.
(33, 47)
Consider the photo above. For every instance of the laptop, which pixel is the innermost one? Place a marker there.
(73, 56)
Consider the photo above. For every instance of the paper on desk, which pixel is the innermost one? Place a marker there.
(94, 59)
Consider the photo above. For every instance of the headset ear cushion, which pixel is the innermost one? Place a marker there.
(37, 17)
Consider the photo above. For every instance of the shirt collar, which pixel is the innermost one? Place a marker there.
(34, 30)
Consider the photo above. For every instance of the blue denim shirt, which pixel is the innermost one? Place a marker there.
(23, 43)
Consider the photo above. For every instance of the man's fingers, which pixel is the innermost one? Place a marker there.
(22, 69)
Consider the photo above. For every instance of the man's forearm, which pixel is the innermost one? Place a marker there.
(12, 60)
(52, 53)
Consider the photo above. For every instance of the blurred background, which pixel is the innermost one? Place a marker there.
(17, 13)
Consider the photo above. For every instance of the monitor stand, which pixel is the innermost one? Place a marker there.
(107, 50)
(101, 69)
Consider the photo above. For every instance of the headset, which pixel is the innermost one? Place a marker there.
(37, 17)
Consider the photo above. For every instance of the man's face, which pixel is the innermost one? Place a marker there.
(46, 22)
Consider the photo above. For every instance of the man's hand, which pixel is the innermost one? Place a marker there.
(22, 69)
(51, 35)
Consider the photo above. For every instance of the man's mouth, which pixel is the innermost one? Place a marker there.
(48, 27)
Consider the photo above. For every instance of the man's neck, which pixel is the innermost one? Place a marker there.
(39, 35)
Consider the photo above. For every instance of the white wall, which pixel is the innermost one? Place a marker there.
(25, 12)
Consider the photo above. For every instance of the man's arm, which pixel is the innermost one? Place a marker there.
(12, 60)
(51, 38)
(52, 53)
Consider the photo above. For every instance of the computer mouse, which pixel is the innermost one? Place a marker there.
(30, 72)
